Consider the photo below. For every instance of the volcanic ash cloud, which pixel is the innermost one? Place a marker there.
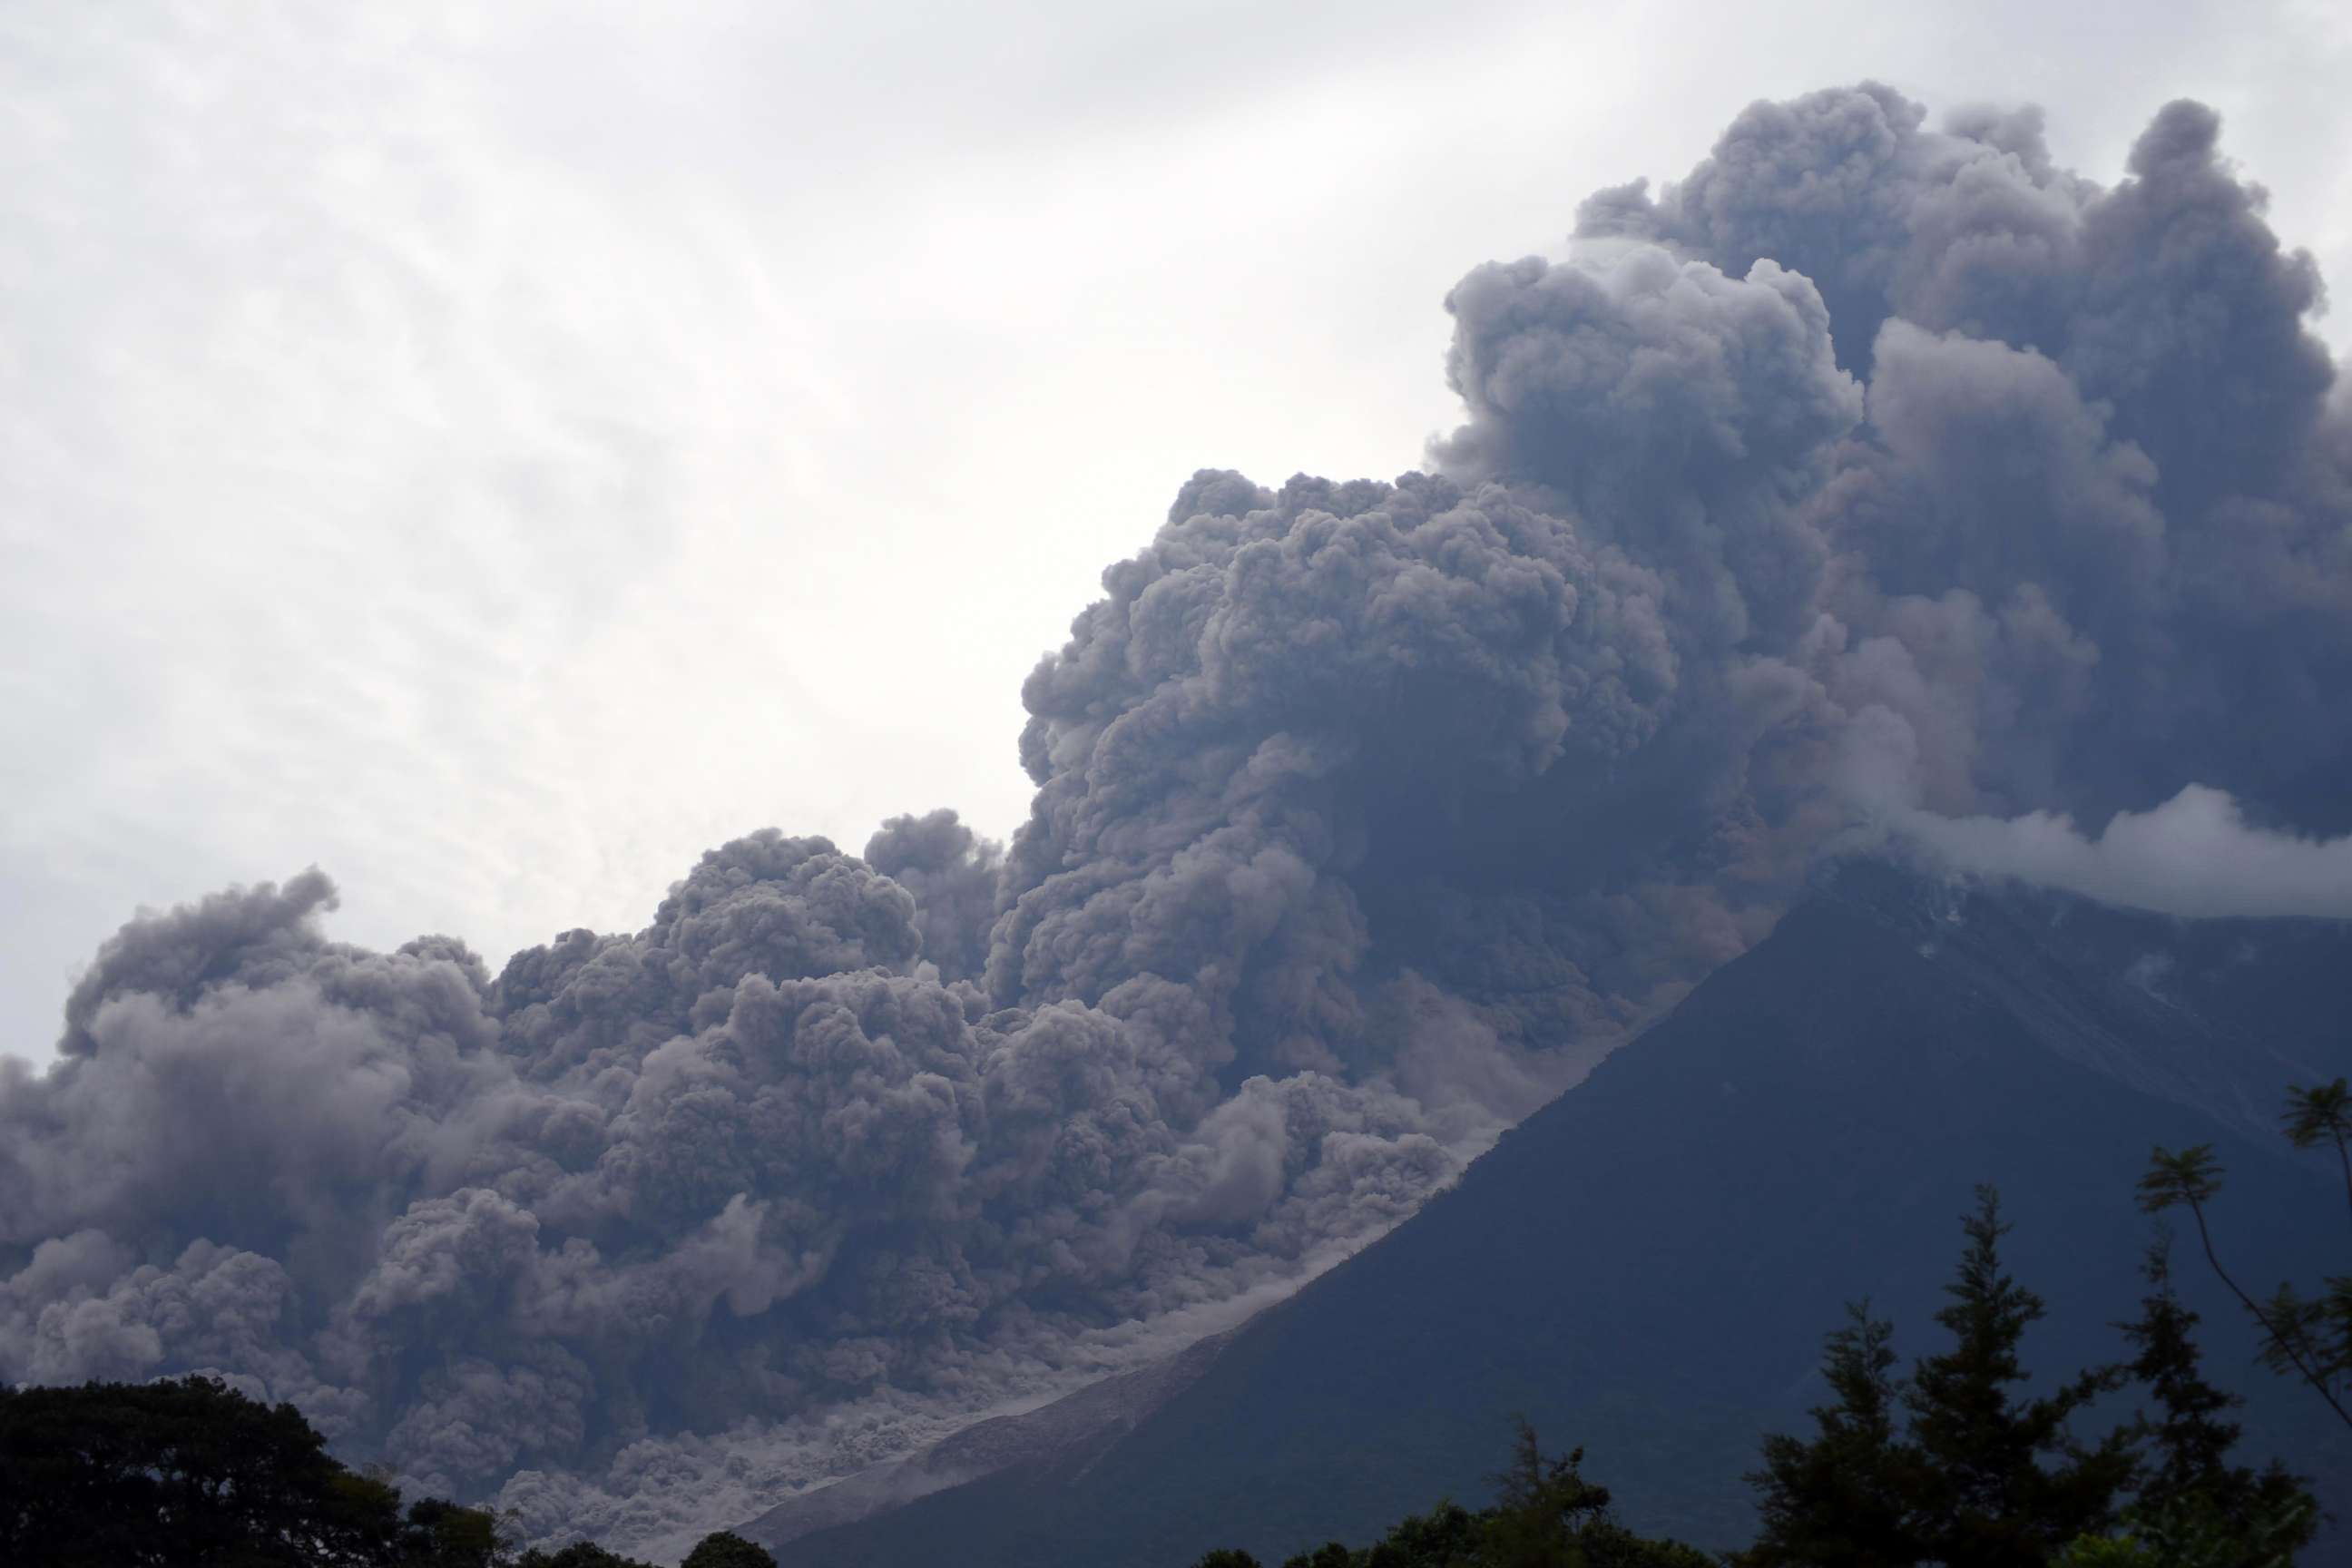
(1871, 481)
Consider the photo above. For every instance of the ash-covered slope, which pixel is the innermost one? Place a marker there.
(1646, 1266)
(1063, 1435)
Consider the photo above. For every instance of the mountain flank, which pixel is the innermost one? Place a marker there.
(1647, 1266)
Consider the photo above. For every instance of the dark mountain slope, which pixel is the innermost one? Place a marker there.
(1646, 1266)
(1064, 1434)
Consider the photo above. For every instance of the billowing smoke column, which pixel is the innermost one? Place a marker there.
(1871, 476)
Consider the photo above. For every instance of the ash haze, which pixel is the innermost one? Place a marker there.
(498, 464)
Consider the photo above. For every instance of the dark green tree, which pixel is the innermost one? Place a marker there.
(2194, 1508)
(1545, 1515)
(1543, 1506)
(1331, 1554)
(579, 1554)
(2193, 1535)
(440, 1534)
(1956, 1466)
(122, 1476)
(1447, 1536)
(725, 1549)
(2191, 1434)
(1843, 1498)
(2001, 1480)
(1328, 1555)
(191, 1471)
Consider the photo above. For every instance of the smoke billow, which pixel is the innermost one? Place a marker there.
(1873, 480)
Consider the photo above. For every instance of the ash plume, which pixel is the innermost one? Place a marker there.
(1870, 482)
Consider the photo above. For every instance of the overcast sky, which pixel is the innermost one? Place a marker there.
(495, 453)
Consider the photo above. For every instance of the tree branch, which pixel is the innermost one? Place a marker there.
(2344, 1154)
(2287, 1346)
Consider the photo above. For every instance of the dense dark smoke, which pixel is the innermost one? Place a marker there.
(1872, 483)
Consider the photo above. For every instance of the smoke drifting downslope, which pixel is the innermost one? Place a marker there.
(1869, 479)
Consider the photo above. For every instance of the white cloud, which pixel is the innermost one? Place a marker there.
(2194, 855)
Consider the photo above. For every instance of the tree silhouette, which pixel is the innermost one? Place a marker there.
(725, 1549)
(579, 1554)
(122, 1476)
(2003, 1481)
(1843, 1499)
(2319, 1115)
(2193, 1505)
(188, 1471)
(2307, 1336)
(1951, 1466)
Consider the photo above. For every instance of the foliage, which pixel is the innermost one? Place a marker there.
(725, 1549)
(1951, 1466)
(192, 1471)
(2306, 1336)
(1845, 1497)
(162, 1474)
(721, 1548)
(2192, 1501)
(2001, 1480)
(579, 1554)
(440, 1534)
(2192, 1532)
(1546, 1515)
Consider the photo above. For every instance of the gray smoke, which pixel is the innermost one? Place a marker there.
(1872, 480)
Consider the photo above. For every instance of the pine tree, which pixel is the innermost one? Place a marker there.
(1841, 1500)
(2190, 1491)
(2192, 1438)
(1542, 1506)
(2003, 1483)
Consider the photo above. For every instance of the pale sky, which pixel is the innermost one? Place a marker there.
(497, 452)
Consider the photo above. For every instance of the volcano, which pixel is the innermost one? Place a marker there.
(1646, 1266)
